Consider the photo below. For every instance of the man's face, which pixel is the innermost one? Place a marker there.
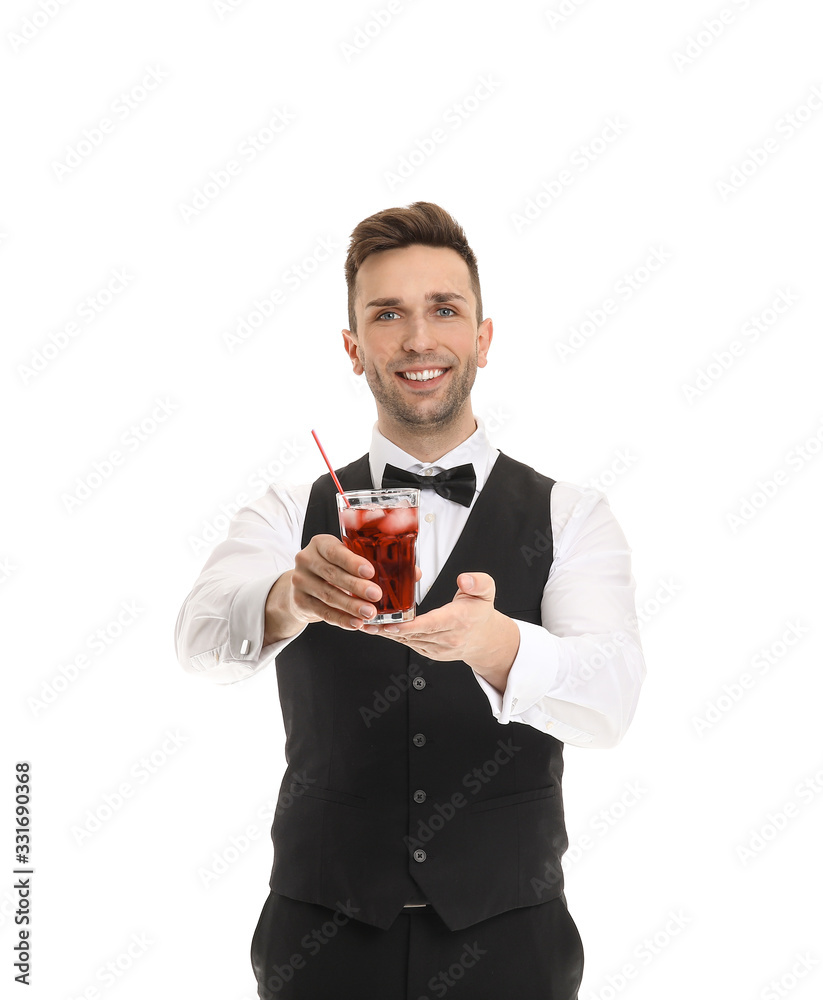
(416, 314)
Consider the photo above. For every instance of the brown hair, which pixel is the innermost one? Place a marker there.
(422, 222)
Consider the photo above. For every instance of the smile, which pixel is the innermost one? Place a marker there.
(428, 375)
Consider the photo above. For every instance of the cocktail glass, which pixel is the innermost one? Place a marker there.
(381, 526)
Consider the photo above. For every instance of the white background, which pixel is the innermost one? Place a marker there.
(692, 104)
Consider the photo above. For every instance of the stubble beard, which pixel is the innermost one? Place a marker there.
(424, 414)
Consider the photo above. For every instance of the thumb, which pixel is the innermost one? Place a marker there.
(476, 585)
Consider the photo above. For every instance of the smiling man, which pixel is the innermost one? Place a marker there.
(419, 832)
(420, 353)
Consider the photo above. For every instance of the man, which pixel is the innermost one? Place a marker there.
(419, 836)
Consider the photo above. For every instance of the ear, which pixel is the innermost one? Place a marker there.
(485, 332)
(353, 351)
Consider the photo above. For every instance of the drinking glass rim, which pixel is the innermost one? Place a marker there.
(391, 491)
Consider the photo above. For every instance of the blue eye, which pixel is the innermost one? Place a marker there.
(447, 309)
(387, 313)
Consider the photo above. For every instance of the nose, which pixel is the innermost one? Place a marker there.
(419, 337)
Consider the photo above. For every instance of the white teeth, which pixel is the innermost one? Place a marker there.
(430, 373)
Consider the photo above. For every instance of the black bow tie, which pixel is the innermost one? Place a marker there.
(456, 484)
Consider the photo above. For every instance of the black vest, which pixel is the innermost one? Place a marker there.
(399, 779)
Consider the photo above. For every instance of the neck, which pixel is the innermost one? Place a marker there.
(427, 444)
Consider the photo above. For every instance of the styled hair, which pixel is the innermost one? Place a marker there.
(423, 223)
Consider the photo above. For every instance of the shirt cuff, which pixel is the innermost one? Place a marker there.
(531, 676)
(247, 619)
(243, 654)
(247, 624)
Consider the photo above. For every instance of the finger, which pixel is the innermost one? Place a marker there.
(312, 591)
(424, 625)
(333, 562)
(412, 639)
(432, 649)
(477, 585)
(334, 551)
(344, 618)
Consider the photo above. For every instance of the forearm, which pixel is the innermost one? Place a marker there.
(578, 674)
(220, 632)
(281, 622)
(581, 689)
(495, 651)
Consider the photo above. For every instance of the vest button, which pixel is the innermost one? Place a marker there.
(419, 855)
(418, 739)
(419, 795)
(419, 683)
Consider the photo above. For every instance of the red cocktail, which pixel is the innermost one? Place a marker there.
(381, 526)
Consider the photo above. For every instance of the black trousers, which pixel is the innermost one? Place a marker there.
(301, 950)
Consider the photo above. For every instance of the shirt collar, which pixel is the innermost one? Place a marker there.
(475, 449)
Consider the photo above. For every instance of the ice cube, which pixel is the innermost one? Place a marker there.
(400, 521)
(370, 514)
(350, 517)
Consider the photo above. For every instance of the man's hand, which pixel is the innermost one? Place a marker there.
(329, 583)
(468, 629)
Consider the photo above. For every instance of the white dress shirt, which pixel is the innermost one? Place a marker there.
(577, 676)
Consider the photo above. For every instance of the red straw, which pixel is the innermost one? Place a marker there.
(331, 470)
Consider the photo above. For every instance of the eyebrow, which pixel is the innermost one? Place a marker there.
(430, 297)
